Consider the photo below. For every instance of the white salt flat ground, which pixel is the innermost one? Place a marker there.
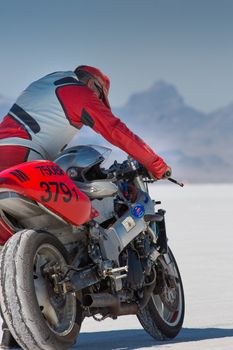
(200, 231)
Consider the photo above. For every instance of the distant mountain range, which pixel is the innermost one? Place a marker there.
(198, 146)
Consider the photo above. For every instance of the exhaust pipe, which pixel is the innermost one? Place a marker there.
(101, 300)
(106, 300)
(126, 309)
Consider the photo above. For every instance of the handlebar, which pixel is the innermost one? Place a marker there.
(123, 171)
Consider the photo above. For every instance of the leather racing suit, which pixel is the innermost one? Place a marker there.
(47, 115)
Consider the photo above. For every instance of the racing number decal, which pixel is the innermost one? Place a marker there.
(52, 188)
(45, 186)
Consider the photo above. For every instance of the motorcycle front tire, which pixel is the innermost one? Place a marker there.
(163, 316)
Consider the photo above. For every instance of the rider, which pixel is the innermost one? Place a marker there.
(48, 113)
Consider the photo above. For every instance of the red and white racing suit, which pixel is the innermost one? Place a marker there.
(47, 115)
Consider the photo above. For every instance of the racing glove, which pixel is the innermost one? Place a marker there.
(159, 169)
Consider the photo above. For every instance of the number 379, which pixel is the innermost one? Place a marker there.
(53, 189)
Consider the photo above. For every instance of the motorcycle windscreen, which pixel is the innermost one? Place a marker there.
(46, 183)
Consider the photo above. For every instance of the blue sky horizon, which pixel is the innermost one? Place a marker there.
(187, 43)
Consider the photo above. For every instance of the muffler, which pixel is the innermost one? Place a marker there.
(106, 300)
(101, 300)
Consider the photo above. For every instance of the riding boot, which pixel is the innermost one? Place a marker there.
(8, 341)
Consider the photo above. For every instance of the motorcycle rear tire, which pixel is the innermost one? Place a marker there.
(18, 298)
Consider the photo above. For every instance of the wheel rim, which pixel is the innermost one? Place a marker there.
(169, 301)
(59, 311)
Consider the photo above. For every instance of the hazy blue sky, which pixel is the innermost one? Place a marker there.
(185, 42)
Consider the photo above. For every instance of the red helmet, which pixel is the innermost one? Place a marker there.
(102, 79)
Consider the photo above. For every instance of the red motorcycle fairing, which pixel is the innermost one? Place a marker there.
(46, 183)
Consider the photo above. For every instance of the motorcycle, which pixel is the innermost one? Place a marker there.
(83, 241)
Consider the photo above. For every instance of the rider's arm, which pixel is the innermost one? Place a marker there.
(102, 120)
(82, 105)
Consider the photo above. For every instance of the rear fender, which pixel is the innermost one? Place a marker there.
(46, 183)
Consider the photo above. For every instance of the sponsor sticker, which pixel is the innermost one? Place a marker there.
(138, 210)
(128, 223)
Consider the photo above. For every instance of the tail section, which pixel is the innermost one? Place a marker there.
(47, 184)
